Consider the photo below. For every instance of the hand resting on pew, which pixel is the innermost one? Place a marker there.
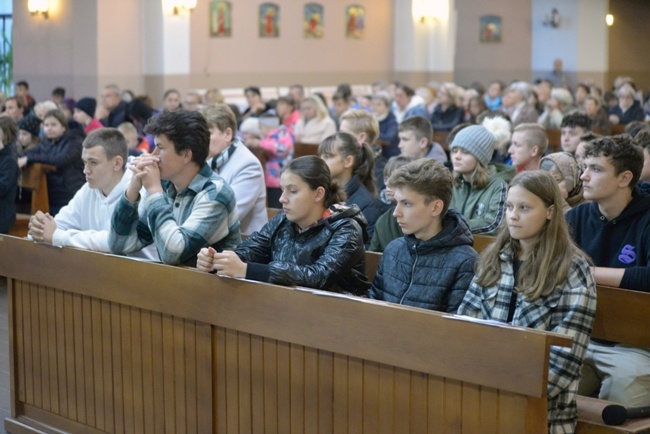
(226, 263)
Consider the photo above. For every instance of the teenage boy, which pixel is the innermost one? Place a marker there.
(86, 220)
(415, 134)
(188, 206)
(529, 143)
(235, 163)
(386, 228)
(614, 230)
(573, 127)
(432, 265)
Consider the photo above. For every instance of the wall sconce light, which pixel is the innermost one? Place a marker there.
(36, 7)
(609, 19)
(553, 20)
(430, 10)
(177, 6)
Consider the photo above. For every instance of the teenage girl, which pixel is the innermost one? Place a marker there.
(352, 166)
(314, 242)
(533, 275)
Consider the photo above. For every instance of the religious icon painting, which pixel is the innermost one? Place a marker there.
(269, 20)
(355, 21)
(220, 18)
(490, 28)
(313, 21)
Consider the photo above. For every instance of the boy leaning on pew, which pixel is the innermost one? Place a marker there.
(614, 229)
(432, 265)
(86, 220)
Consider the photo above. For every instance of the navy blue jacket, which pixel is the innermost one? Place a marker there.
(447, 120)
(623, 242)
(634, 113)
(369, 205)
(432, 274)
(65, 154)
(388, 132)
(117, 116)
(8, 187)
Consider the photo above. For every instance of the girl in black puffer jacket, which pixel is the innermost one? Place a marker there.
(315, 242)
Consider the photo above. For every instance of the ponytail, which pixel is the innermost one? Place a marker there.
(364, 157)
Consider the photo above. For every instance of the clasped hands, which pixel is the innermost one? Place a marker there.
(146, 173)
(42, 227)
(226, 263)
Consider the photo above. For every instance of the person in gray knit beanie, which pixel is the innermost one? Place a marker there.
(476, 140)
(480, 187)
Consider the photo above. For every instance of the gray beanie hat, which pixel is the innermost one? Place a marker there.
(476, 140)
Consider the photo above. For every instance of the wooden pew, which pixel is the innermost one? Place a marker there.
(100, 343)
(482, 241)
(33, 177)
(621, 316)
(554, 140)
(441, 138)
(272, 212)
(618, 129)
(303, 149)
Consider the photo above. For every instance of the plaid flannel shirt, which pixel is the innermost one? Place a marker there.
(180, 224)
(569, 310)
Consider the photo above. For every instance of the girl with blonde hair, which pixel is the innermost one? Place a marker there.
(315, 124)
(534, 276)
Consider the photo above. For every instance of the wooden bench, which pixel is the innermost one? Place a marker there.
(441, 138)
(33, 177)
(554, 140)
(100, 343)
(618, 129)
(303, 149)
(621, 316)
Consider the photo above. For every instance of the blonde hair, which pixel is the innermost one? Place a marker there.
(480, 177)
(362, 122)
(319, 105)
(548, 263)
(535, 136)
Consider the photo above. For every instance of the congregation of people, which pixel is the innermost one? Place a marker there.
(192, 182)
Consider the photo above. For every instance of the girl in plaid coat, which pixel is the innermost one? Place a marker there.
(533, 275)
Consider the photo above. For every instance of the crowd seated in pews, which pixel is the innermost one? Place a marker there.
(200, 173)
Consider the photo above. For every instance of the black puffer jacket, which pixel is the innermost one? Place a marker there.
(328, 255)
(65, 154)
(432, 274)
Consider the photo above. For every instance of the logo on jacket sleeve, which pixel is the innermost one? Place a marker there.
(480, 210)
(627, 255)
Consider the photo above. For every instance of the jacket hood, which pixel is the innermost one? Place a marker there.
(502, 171)
(455, 232)
(639, 205)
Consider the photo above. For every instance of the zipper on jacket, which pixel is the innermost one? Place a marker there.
(412, 274)
(469, 190)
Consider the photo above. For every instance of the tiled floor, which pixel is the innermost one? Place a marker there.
(4, 355)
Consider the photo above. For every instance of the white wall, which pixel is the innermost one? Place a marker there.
(581, 40)
(428, 46)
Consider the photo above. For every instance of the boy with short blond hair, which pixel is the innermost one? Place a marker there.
(365, 128)
(415, 139)
(529, 143)
(436, 239)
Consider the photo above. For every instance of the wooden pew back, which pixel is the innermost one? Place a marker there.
(621, 316)
(121, 343)
(33, 177)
